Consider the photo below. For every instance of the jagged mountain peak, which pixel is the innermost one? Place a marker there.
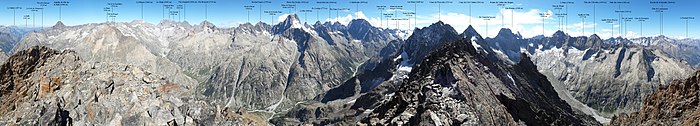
(559, 34)
(59, 24)
(471, 32)
(661, 38)
(261, 24)
(167, 23)
(207, 24)
(292, 21)
(425, 39)
(470, 29)
(438, 26)
(457, 73)
(507, 34)
(359, 23)
(247, 24)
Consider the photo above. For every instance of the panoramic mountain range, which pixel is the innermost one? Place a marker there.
(290, 73)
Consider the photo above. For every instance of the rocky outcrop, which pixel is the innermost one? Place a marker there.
(41, 86)
(674, 104)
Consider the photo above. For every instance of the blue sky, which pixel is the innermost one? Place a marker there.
(230, 13)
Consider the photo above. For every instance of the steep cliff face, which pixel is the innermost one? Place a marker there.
(674, 105)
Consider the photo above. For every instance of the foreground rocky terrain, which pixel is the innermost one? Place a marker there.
(673, 104)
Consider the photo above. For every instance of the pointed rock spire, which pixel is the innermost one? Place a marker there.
(471, 32)
(292, 21)
(59, 24)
